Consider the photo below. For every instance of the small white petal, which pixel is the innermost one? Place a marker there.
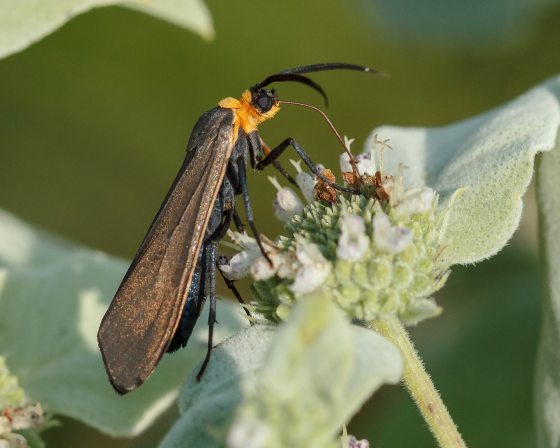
(247, 433)
(28, 416)
(239, 265)
(305, 181)
(262, 270)
(389, 238)
(5, 425)
(286, 204)
(244, 241)
(345, 165)
(353, 241)
(274, 181)
(288, 265)
(308, 253)
(348, 142)
(13, 440)
(417, 200)
(393, 186)
(352, 442)
(365, 164)
(313, 271)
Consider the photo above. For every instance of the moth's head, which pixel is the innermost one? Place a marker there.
(264, 101)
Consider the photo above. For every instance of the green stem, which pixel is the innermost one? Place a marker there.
(547, 375)
(420, 386)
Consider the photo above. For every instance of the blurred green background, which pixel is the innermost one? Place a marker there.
(94, 120)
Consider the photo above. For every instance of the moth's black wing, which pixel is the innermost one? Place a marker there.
(146, 309)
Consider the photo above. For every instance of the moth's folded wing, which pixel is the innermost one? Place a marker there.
(146, 309)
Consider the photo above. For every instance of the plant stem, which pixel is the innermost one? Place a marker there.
(547, 375)
(420, 386)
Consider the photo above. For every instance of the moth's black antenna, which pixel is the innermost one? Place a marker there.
(294, 74)
(280, 77)
(330, 66)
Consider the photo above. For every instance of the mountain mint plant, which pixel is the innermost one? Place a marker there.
(347, 276)
(378, 254)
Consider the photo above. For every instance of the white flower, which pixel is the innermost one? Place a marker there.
(365, 163)
(313, 269)
(250, 260)
(247, 433)
(261, 268)
(289, 265)
(416, 201)
(352, 442)
(284, 264)
(13, 440)
(353, 241)
(13, 419)
(240, 264)
(390, 238)
(306, 182)
(28, 416)
(286, 204)
(345, 165)
(243, 241)
(393, 186)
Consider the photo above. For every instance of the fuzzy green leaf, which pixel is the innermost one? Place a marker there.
(482, 166)
(52, 297)
(23, 22)
(299, 384)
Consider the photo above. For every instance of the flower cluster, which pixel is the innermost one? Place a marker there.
(374, 253)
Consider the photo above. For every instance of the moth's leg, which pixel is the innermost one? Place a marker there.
(257, 147)
(242, 173)
(223, 259)
(217, 236)
(276, 152)
(210, 249)
(237, 221)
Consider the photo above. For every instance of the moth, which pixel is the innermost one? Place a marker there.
(174, 271)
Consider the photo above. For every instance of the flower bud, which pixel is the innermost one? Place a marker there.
(306, 182)
(353, 242)
(390, 238)
(286, 204)
(313, 270)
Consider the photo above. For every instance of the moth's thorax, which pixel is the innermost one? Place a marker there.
(247, 116)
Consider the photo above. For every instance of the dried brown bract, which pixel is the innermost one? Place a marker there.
(324, 191)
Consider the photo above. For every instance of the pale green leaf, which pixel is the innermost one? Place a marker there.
(300, 384)
(52, 297)
(208, 406)
(23, 22)
(488, 159)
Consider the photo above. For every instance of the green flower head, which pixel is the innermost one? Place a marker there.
(375, 253)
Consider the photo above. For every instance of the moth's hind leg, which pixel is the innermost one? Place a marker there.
(210, 264)
(218, 225)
